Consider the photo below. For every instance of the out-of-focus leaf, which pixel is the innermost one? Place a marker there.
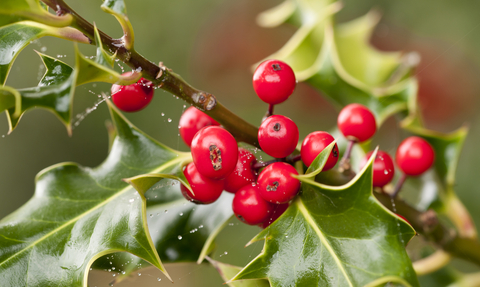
(79, 214)
(17, 36)
(441, 196)
(17, 10)
(228, 271)
(335, 236)
(117, 8)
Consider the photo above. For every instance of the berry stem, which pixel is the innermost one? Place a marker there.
(345, 161)
(270, 109)
(398, 186)
(164, 78)
(259, 165)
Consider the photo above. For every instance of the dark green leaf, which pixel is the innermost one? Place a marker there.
(56, 89)
(335, 236)
(79, 214)
(181, 231)
(15, 37)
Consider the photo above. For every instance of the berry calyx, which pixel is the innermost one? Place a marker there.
(414, 156)
(250, 207)
(134, 97)
(193, 120)
(278, 136)
(243, 173)
(356, 122)
(214, 152)
(313, 144)
(383, 168)
(278, 210)
(276, 184)
(274, 81)
(205, 190)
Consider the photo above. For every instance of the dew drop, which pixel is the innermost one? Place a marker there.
(159, 279)
(139, 274)
(169, 120)
(131, 200)
(179, 237)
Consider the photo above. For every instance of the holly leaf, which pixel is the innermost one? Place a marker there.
(118, 9)
(78, 214)
(17, 10)
(181, 231)
(56, 89)
(442, 197)
(339, 61)
(228, 271)
(102, 58)
(335, 236)
(17, 36)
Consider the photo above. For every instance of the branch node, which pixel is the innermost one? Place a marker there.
(429, 219)
(206, 100)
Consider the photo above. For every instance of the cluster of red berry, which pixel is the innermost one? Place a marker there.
(219, 164)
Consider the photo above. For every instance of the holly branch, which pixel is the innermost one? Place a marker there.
(425, 223)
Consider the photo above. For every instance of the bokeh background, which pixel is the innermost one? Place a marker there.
(212, 44)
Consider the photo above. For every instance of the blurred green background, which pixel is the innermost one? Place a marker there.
(212, 44)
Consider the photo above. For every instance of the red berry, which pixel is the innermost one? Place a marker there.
(274, 81)
(276, 184)
(193, 120)
(243, 173)
(250, 207)
(134, 97)
(279, 210)
(414, 156)
(214, 152)
(205, 190)
(314, 144)
(357, 122)
(383, 169)
(278, 136)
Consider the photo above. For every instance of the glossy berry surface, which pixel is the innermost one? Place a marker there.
(314, 144)
(356, 122)
(214, 152)
(278, 136)
(205, 190)
(250, 207)
(243, 174)
(383, 168)
(278, 210)
(276, 184)
(274, 81)
(134, 97)
(193, 120)
(414, 156)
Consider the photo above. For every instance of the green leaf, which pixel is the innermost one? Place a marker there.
(56, 89)
(16, 10)
(103, 58)
(117, 8)
(78, 214)
(17, 36)
(54, 92)
(228, 271)
(181, 231)
(339, 61)
(335, 236)
(447, 153)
